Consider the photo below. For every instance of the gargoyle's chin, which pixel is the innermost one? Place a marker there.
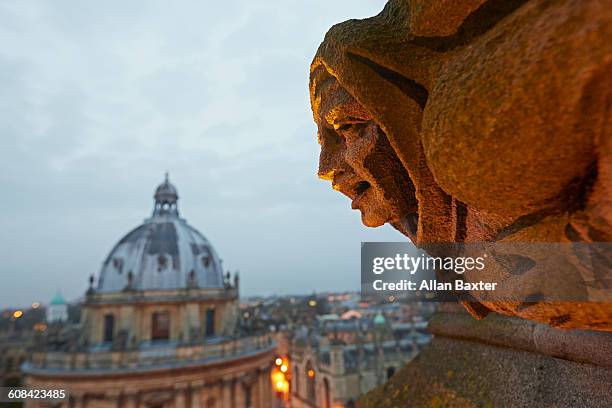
(408, 225)
(372, 222)
(373, 216)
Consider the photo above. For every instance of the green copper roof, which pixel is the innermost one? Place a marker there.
(379, 319)
(58, 299)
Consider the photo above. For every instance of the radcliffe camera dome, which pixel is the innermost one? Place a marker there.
(162, 313)
(163, 253)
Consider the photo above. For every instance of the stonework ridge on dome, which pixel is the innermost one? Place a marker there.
(164, 253)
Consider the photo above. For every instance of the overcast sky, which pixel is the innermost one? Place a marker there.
(99, 99)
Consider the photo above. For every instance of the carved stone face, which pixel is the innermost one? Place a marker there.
(464, 106)
(359, 162)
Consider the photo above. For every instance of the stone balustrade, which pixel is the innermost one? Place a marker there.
(145, 358)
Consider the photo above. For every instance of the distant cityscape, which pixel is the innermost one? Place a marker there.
(330, 347)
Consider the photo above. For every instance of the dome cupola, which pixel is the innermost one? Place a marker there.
(166, 198)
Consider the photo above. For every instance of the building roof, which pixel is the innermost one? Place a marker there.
(165, 252)
(379, 319)
(58, 299)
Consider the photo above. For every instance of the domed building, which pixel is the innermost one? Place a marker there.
(160, 327)
(57, 310)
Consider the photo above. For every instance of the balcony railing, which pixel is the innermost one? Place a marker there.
(151, 357)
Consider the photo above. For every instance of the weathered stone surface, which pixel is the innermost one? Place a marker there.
(476, 121)
(457, 373)
(439, 18)
(512, 120)
(582, 346)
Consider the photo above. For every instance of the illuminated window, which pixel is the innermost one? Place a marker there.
(311, 384)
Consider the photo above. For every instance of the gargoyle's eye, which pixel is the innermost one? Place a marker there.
(343, 123)
(351, 130)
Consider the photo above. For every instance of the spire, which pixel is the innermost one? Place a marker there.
(166, 198)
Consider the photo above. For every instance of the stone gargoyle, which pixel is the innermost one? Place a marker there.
(476, 120)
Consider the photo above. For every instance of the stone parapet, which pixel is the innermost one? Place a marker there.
(582, 346)
(145, 359)
(502, 362)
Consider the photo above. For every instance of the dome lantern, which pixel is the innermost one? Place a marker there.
(166, 198)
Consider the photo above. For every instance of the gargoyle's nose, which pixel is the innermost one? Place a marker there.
(330, 156)
(326, 171)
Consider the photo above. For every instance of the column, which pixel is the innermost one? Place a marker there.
(78, 400)
(239, 394)
(180, 396)
(112, 397)
(227, 393)
(259, 397)
(196, 394)
(130, 400)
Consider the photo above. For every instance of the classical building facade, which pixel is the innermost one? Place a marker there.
(160, 329)
(334, 364)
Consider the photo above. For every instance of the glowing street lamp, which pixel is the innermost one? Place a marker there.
(17, 314)
(40, 327)
(280, 377)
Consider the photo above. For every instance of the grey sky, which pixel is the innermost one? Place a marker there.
(100, 98)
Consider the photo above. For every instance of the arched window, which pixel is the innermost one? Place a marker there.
(109, 328)
(160, 328)
(311, 383)
(326, 393)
